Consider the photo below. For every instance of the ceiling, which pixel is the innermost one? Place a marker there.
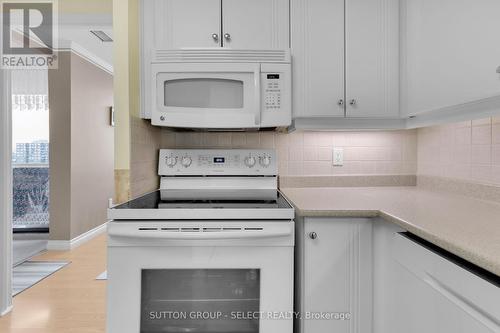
(85, 6)
(76, 19)
(81, 35)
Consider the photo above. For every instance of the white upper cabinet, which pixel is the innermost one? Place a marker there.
(317, 46)
(174, 24)
(372, 58)
(242, 24)
(451, 55)
(255, 24)
(345, 58)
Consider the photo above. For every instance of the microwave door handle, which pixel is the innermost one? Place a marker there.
(257, 96)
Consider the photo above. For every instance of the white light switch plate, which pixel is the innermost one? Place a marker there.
(338, 156)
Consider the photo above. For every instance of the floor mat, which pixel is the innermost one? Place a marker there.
(30, 273)
(25, 246)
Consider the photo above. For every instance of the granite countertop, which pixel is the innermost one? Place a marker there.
(464, 226)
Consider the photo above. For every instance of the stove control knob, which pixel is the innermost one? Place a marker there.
(186, 161)
(171, 161)
(265, 161)
(250, 161)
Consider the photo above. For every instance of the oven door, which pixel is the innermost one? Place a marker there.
(210, 278)
(206, 95)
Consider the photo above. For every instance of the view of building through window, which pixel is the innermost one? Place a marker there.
(30, 150)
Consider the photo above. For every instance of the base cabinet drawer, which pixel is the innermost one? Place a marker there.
(435, 295)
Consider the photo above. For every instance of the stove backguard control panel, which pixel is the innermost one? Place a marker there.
(209, 162)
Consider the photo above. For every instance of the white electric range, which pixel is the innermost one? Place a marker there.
(210, 252)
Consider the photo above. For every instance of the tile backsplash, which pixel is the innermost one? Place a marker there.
(467, 151)
(146, 140)
(310, 153)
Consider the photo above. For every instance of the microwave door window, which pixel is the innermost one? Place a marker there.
(200, 300)
(206, 93)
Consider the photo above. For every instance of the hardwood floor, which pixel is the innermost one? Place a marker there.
(69, 301)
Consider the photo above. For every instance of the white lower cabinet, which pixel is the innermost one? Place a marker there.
(335, 275)
(434, 295)
(377, 280)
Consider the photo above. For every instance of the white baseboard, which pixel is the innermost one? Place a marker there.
(6, 311)
(66, 245)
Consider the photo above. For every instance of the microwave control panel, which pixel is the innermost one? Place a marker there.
(272, 90)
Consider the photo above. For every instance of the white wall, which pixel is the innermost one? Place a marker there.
(5, 194)
(81, 145)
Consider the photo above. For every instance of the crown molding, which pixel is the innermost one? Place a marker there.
(75, 48)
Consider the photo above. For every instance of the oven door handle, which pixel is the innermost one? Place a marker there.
(199, 235)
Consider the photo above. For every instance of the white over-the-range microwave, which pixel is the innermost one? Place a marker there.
(218, 89)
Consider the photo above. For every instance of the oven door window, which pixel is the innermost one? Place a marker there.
(200, 300)
(206, 93)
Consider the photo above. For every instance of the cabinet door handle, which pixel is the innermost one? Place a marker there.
(340, 102)
(215, 37)
(498, 69)
(227, 36)
(352, 102)
(313, 235)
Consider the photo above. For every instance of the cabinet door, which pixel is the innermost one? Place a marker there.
(431, 294)
(372, 58)
(255, 24)
(452, 47)
(317, 43)
(338, 275)
(173, 24)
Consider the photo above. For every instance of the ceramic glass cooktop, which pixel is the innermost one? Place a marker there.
(153, 201)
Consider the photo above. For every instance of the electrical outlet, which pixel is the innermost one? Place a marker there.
(338, 156)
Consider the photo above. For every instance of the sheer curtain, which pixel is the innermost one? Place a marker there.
(30, 90)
